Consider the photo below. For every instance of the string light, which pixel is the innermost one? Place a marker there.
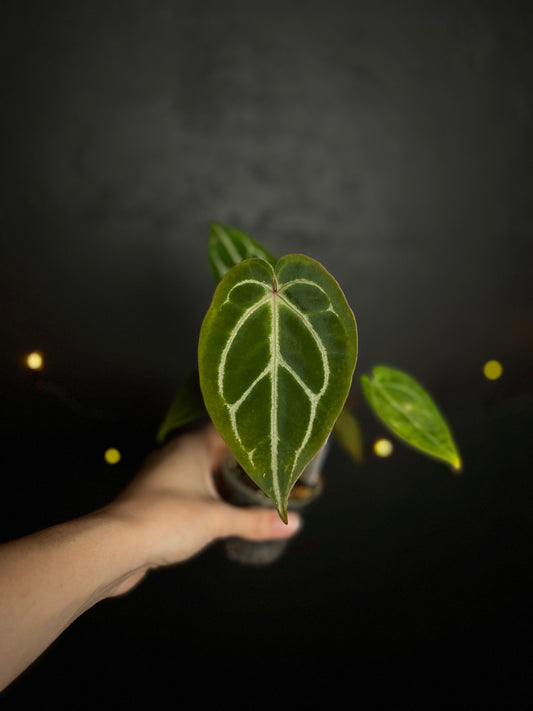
(493, 370)
(112, 455)
(383, 447)
(34, 360)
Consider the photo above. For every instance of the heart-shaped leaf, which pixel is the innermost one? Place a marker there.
(277, 351)
(228, 246)
(408, 410)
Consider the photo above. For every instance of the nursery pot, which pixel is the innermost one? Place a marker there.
(236, 488)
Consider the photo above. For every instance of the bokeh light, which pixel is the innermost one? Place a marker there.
(383, 447)
(493, 370)
(112, 455)
(34, 360)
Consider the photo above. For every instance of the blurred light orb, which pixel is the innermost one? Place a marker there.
(112, 455)
(493, 370)
(34, 360)
(383, 447)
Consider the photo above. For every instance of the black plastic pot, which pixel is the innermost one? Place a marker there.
(236, 488)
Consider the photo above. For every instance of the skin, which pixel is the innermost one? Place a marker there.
(168, 513)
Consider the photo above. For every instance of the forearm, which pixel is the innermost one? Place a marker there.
(49, 578)
(168, 513)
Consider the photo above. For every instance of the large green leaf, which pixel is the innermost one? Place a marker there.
(228, 246)
(408, 410)
(277, 351)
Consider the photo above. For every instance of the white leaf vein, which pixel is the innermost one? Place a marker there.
(276, 362)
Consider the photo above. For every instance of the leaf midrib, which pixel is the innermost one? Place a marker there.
(275, 298)
(274, 365)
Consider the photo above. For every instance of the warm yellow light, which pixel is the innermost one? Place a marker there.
(493, 370)
(34, 360)
(112, 455)
(383, 447)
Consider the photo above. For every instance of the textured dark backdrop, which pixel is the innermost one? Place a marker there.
(391, 141)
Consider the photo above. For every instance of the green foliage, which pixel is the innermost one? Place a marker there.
(277, 352)
(347, 432)
(227, 247)
(408, 410)
(186, 407)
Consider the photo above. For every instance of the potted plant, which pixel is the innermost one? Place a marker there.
(276, 356)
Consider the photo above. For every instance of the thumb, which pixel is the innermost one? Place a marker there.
(256, 524)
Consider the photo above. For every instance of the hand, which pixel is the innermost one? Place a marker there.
(168, 513)
(174, 507)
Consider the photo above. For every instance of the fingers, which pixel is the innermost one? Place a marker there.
(255, 524)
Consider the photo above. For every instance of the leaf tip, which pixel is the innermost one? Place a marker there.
(281, 507)
(457, 466)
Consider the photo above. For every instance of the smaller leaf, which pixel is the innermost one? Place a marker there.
(186, 407)
(408, 410)
(348, 434)
(228, 246)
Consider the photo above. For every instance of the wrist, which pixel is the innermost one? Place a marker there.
(125, 553)
(97, 549)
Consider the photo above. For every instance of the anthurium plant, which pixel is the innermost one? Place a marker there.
(276, 357)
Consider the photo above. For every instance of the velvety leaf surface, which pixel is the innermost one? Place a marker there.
(277, 352)
(408, 410)
(228, 246)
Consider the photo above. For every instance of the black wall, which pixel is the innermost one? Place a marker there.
(391, 141)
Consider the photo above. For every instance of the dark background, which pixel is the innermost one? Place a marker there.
(391, 141)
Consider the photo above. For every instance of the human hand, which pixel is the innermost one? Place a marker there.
(174, 510)
(169, 512)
